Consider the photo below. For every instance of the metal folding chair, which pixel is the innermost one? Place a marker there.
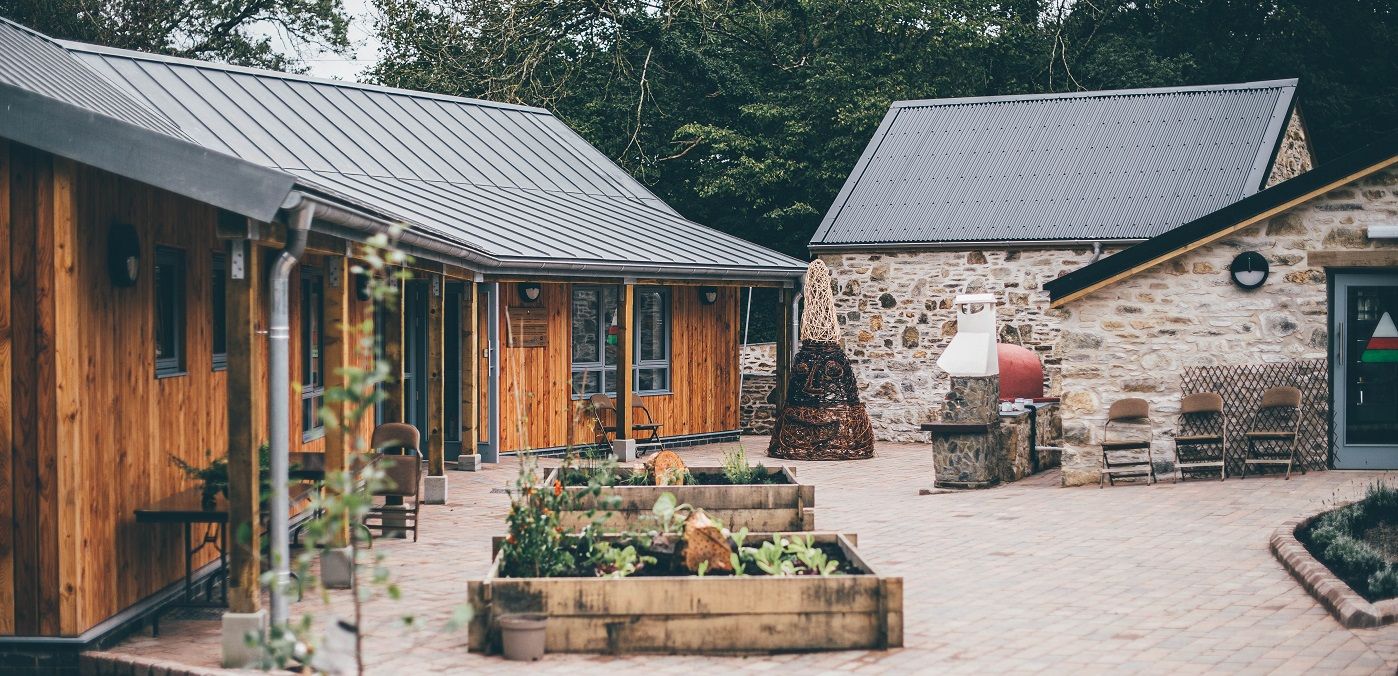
(1127, 462)
(1202, 438)
(1274, 431)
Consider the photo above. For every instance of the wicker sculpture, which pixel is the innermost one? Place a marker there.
(822, 418)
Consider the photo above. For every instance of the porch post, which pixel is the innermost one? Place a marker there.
(784, 341)
(247, 424)
(435, 488)
(470, 458)
(624, 446)
(335, 561)
(492, 331)
(393, 405)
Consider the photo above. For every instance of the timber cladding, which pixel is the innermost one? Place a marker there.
(698, 615)
(95, 429)
(537, 409)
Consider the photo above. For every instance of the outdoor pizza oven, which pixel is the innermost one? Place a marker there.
(1021, 373)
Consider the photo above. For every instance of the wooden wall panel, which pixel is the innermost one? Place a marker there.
(537, 411)
(7, 562)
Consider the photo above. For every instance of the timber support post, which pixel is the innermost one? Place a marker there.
(470, 458)
(394, 407)
(624, 446)
(434, 489)
(247, 420)
(335, 561)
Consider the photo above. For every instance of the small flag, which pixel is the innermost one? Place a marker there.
(1383, 345)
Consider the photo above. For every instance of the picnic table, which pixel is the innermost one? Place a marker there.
(187, 509)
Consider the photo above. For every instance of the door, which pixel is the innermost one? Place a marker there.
(415, 356)
(451, 362)
(1365, 374)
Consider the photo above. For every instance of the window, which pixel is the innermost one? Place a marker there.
(169, 312)
(218, 287)
(312, 353)
(595, 336)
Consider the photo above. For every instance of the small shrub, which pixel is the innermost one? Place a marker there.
(736, 468)
(1338, 539)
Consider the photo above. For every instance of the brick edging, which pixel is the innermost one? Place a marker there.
(1348, 607)
(102, 663)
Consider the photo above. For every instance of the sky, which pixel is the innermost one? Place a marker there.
(362, 41)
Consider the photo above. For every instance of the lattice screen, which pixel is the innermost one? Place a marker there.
(1241, 388)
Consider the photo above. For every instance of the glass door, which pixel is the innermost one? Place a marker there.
(1365, 387)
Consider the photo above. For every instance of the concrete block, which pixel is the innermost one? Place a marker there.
(468, 462)
(624, 450)
(238, 653)
(337, 567)
(434, 490)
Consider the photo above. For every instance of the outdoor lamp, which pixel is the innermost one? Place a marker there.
(529, 292)
(123, 254)
(1249, 270)
(708, 295)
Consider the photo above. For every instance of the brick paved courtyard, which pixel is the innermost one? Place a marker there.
(1027, 577)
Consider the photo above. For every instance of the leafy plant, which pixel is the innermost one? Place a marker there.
(213, 479)
(534, 546)
(1338, 539)
(669, 514)
(616, 562)
(736, 467)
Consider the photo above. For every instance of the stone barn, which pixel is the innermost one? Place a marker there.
(1321, 318)
(1003, 194)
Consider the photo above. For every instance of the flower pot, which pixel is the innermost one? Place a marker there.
(522, 636)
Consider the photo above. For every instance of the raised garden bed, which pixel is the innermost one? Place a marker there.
(690, 614)
(1348, 557)
(777, 504)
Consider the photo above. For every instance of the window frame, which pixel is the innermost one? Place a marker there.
(312, 382)
(601, 367)
(218, 303)
(174, 261)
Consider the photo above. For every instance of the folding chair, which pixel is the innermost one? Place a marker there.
(602, 406)
(1202, 438)
(1133, 412)
(399, 456)
(1275, 428)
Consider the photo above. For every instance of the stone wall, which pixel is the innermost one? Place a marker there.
(758, 362)
(1294, 156)
(1134, 338)
(896, 318)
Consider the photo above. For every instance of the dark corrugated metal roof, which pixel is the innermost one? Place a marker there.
(1125, 164)
(34, 62)
(510, 181)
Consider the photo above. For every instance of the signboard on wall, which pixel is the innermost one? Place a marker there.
(528, 326)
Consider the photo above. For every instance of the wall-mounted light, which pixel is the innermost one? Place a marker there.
(708, 295)
(123, 254)
(529, 292)
(1249, 270)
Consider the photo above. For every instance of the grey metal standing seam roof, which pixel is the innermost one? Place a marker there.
(512, 182)
(50, 101)
(1107, 165)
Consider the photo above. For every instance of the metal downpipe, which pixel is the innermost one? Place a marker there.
(279, 405)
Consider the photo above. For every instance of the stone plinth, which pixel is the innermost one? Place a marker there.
(966, 450)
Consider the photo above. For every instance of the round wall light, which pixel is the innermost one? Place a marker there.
(529, 292)
(708, 295)
(1249, 270)
(123, 254)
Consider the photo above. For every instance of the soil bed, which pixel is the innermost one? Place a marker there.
(1359, 543)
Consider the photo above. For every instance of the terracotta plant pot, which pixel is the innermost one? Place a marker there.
(522, 636)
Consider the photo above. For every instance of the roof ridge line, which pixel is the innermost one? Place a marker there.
(1096, 93)
(89, 48)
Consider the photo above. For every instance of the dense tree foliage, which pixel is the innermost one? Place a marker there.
(748, 114)
(231, 31)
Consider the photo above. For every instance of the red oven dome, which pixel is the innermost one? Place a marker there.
(1021, 374)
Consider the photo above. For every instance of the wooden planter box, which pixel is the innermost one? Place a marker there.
(699, 615)
(772, 508)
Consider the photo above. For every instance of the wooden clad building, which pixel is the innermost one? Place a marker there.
(143, 200)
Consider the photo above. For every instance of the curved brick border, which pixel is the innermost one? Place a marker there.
(1351, 609)
(98, 663)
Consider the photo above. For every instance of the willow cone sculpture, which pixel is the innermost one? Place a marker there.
(822, 417)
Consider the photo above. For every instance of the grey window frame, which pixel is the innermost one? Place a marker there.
(601, 367)
(312, 427)
(218, 304)
(173, 259)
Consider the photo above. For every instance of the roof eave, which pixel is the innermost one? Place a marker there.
(153, 158)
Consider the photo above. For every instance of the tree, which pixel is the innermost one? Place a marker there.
(231, 31)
